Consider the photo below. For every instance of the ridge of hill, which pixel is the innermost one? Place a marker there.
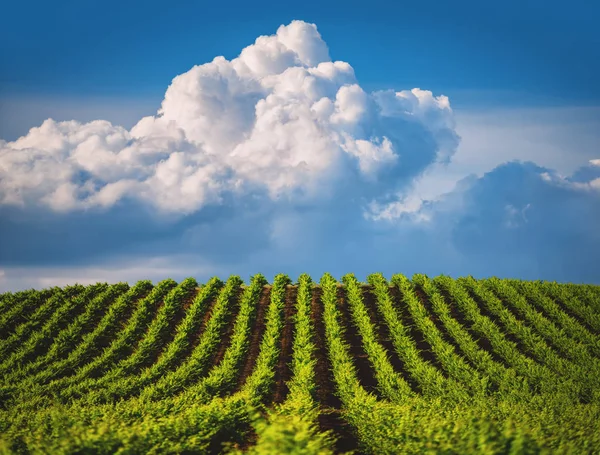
(421, 365)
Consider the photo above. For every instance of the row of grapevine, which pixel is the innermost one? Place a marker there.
(41, 340)
(571, 327)
(132, 384)
(94, 341)
(430, 380)
(69, 337)
(416, 365)
(572, 350)
(125, 342)
(572, 300)
(197, 364)
(221, 378)
(150, 346)
(29, 307)
(506, 379)
(292, 427)
(456, 367)
(390, 382)
(530, 341)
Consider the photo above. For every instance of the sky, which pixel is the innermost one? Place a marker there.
(151, 140)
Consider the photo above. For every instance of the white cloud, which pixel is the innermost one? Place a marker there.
(560, 138)
(280, 119)
(563, 138)
(591, 185)
(279, 161)
(410, 206)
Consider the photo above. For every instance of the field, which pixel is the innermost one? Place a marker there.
(421, 365)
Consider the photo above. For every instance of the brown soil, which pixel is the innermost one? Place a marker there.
(187, 302)
(27, 308)
(205, 318)
(570, 313)
(330, 418)
(507, 334)
(228, 329)
(127, 351)
(363, 366)
(559, 349)
(422, 296)
(169, 333)
(482, 341)
(93, 323)
(284, 371)
(154, 311)
(384, 338)
(415, 334)
(256, 337)
(105, 339)
(61, 323)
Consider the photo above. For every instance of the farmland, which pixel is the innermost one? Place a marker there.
(405, 365)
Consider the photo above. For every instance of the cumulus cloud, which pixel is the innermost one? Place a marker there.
(517, 220)
(279, 161)
(531, 223)
(281, 119)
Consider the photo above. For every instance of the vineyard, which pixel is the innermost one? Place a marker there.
(421, 365)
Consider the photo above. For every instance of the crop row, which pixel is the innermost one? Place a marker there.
(459, 366)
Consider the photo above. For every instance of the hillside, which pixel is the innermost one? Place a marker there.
(401, 366)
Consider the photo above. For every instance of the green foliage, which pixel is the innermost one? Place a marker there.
(481, 366)
(390, 382)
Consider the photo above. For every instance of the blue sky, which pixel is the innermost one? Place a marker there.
(542, 49)
(499, 178)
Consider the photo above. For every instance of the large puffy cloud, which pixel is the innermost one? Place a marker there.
(281, 119)
(278, 161)
(525, 221)
(517, 220)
